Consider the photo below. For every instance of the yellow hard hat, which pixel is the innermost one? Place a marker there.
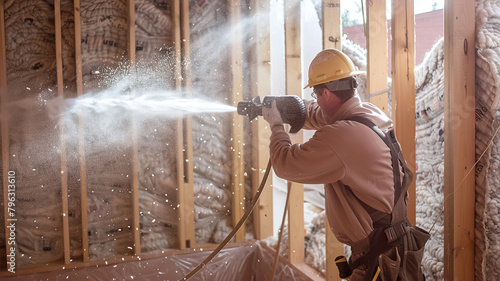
(330, 65)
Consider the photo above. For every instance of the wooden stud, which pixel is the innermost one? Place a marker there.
(376, 41)
(184, 139)
(64, 170)
(3, 58)
(238, 166)
(403, 86)
(131, 31)
(332, 39)
(78, 48)
(4, 99)
(135, 146)
(333, 249)
(459, 139)
(181, 230)
(296, 231)
(332, 25)
(188, 130)
(263, 213)
(81, 135)
(135, 189)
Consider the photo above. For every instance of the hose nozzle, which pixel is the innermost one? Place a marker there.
(292, 109)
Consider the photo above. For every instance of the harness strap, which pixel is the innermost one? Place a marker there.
(393, 145)
(400, 188)
(395, 225)
(396, 231)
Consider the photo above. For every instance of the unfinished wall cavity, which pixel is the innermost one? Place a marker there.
(110, 123)
(212, 139)
(429, 143)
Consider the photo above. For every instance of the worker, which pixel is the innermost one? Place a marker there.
(350, 159)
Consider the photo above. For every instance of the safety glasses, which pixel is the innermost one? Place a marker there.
(315, 92)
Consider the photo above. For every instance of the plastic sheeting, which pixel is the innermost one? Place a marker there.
(245, 263)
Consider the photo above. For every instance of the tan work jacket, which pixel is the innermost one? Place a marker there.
(341, 153)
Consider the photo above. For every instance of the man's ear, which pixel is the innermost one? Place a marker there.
(331, 97)
(327, 93)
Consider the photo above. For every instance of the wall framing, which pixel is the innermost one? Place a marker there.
(293, 87)
(459, 148)
(238, 168)
(403, 86)
(459, 81)
(261, 57)
(332, 38)
(64, 171)
(4, 125)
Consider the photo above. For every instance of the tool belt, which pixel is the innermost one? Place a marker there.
(394, 249)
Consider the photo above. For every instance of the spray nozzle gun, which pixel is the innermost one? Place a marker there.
(292, 109)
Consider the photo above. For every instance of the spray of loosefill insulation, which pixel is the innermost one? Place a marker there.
(118, 105)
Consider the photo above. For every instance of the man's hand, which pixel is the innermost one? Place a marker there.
(272, 115)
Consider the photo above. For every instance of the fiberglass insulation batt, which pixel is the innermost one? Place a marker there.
(105, 131)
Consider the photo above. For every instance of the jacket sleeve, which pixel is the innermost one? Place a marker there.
(315, 118)
(313, 162)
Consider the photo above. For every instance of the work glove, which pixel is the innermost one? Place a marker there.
(272, 115)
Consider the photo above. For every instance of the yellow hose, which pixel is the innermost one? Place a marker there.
(236, 228)
(280, 236)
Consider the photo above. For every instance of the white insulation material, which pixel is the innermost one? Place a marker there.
(487, 242)
(109, 130)
(429, 142)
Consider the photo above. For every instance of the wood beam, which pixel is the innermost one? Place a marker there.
(60, 95)
(81, 133)
(184, 137)
(376, 41)
(131, 31)
(4, 99)
(294, 87)
(181, 230)
(403, 85)
(131, 54)
(459, 146)
(238, 165)
(263, 213)
(332, 25)
(3, 58)
(332, 39)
